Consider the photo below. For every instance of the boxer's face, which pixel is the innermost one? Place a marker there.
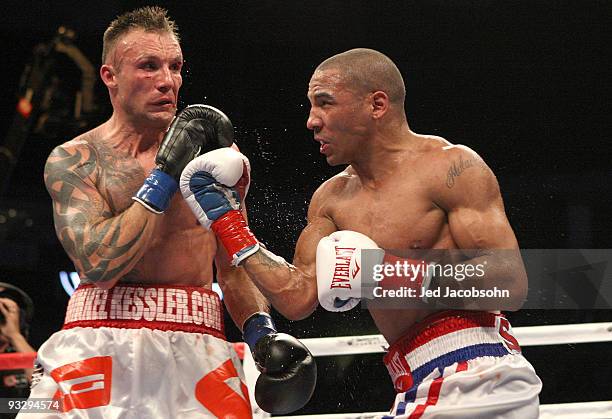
(338, 116)
(146, 69)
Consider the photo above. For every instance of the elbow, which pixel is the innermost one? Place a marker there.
(295, 301)
(297, 310)
(518, 293)
(295, 315)
(105, 285)
(100, 279)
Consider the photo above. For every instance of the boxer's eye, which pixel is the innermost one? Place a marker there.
(149, 66)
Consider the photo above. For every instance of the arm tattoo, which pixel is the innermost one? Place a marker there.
(456, 168)
(269, 261)
(84, 222)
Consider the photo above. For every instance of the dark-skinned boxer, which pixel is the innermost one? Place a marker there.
(401, 191)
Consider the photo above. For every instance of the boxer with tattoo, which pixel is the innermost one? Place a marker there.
(143, 335)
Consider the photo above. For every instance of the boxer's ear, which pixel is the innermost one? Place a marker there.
(379, 101)
(107, 74)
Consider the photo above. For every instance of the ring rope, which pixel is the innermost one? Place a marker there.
(352, 345)
(527, 336)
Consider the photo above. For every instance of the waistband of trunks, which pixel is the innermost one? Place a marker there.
(134, 306)
(445, 338)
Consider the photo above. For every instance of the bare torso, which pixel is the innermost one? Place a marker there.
(399, 213)
(180, 251)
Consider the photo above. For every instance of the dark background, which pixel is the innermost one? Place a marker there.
(524, 83)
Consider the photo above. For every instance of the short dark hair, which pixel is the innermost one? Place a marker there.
(368, 70)
(148, 18)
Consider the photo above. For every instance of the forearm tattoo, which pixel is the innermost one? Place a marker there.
(269, 261)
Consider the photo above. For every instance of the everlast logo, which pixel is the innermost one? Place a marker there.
(145, 304)
(399, 371)
(341, 278)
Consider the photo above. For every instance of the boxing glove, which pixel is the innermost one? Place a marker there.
(197, 129)
(288, 369)
(339, 270)
(338, 267)
(210, 185)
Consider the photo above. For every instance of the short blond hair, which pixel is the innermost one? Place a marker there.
(149, 18)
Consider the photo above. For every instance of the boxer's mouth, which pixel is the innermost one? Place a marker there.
(324, 145)
(164, 102)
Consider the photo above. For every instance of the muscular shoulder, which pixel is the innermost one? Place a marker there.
(82, 145)
(329, 191)
(459, 176)
(76, 157)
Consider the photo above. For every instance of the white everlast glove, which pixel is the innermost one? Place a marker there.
(339, 269)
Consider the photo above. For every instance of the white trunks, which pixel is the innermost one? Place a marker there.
(461, 364)
(142, 352)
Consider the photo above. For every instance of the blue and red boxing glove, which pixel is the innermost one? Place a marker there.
(214, 185)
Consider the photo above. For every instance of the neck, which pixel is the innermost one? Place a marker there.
(134, 138)
(385, 151)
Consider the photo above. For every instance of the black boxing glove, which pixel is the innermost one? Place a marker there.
(288, 369)
(196, 129)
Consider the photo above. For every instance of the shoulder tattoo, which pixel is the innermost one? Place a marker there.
(457, 167)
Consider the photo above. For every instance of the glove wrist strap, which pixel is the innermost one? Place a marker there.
(239, 242)
(413, 273)
(156, 191)
(257, 326)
